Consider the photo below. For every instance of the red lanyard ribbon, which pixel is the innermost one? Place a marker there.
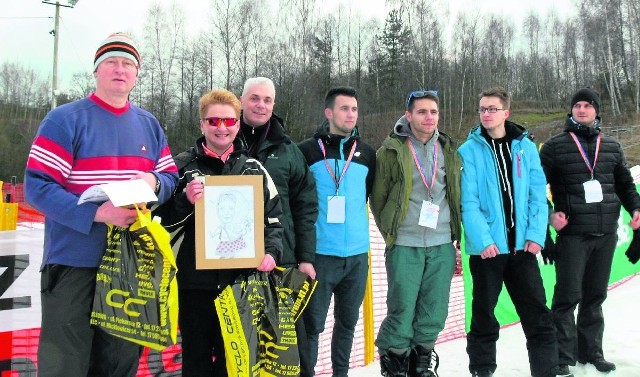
(416, 160)
(336, 180)
(592, 168)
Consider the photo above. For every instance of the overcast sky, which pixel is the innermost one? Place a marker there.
(25, 26)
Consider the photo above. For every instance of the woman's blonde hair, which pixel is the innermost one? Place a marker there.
(219, 96)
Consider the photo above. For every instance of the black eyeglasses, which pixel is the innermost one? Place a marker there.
(215, 121)
(490, 110)
(420, 94)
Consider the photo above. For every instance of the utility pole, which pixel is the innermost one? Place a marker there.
(56, 33)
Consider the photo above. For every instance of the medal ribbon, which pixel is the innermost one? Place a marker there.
(336, 180)
(416, 160)
(584, 153)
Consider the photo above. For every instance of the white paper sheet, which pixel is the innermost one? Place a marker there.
(121, 193)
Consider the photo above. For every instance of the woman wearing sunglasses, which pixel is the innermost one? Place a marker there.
(216, 152)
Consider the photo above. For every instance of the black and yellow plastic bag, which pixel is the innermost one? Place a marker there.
(257, 317)
(136, 294)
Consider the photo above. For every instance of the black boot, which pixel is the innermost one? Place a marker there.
(424, 362)
(482, 373)
(563, 371)
(601, 364)
(394, 365)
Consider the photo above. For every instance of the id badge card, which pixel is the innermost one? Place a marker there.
(429, 215)
(335, 209)
(592, 191)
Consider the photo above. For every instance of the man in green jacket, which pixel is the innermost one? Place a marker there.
(267, 142)
(416, 205)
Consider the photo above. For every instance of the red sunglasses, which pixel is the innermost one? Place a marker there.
(215, 121)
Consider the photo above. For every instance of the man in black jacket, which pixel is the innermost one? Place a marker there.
(264, 134)
(589, 180)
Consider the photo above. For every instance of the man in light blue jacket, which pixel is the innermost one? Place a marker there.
(343, 167)
(504, 215)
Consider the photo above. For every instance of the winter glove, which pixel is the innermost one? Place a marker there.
(549, 250)
(633, 252)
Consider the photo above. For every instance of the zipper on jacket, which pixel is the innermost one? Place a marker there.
(504, 219)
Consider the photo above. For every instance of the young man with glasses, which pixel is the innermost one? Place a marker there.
(416, 205)
(504, 214)
(343, 166)
(589, 180)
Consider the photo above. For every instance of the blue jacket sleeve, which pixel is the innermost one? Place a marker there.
(538, 206)
(476, 229)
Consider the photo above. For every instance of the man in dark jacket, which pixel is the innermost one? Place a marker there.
(343, 166)
(263, 131)
(589, 180)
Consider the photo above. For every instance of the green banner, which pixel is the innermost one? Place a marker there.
(505, 311)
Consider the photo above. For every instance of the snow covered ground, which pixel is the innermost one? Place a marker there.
(621, 343)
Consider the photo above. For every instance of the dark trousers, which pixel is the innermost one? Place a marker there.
(202, 343)
(303, 349)
(346, 279)
(301, 335)
(69, 345)
(583, 266)
(520, 274)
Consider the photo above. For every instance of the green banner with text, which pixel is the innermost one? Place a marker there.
(505, 311)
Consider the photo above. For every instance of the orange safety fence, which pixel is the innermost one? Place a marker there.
(454, 326)
(15, 194)
(372, 313)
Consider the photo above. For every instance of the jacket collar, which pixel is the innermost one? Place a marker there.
(514, 131)
(396, 138)
(570, 125)
(276, 134)
(402, 128)
(322, 132)
(238, 148)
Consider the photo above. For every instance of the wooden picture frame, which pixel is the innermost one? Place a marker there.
(230, 222)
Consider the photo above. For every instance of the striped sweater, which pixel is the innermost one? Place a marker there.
(81, 144)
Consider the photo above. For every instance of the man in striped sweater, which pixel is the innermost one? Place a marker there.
(99, 139)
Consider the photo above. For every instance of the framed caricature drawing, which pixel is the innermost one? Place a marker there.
(230, 222)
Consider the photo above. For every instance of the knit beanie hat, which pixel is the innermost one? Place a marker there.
(118, 45)
(587, 95)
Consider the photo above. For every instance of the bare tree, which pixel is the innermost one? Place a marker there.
(226, 26)
(163, 33)
(83, 85)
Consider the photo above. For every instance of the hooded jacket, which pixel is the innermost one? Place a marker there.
(567, 171)
(351, 237)
(483, 214)
(178, 215)
(392, 186)
(296, 188)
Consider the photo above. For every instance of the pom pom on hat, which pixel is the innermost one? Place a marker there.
(587, 95)
(117, 45)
